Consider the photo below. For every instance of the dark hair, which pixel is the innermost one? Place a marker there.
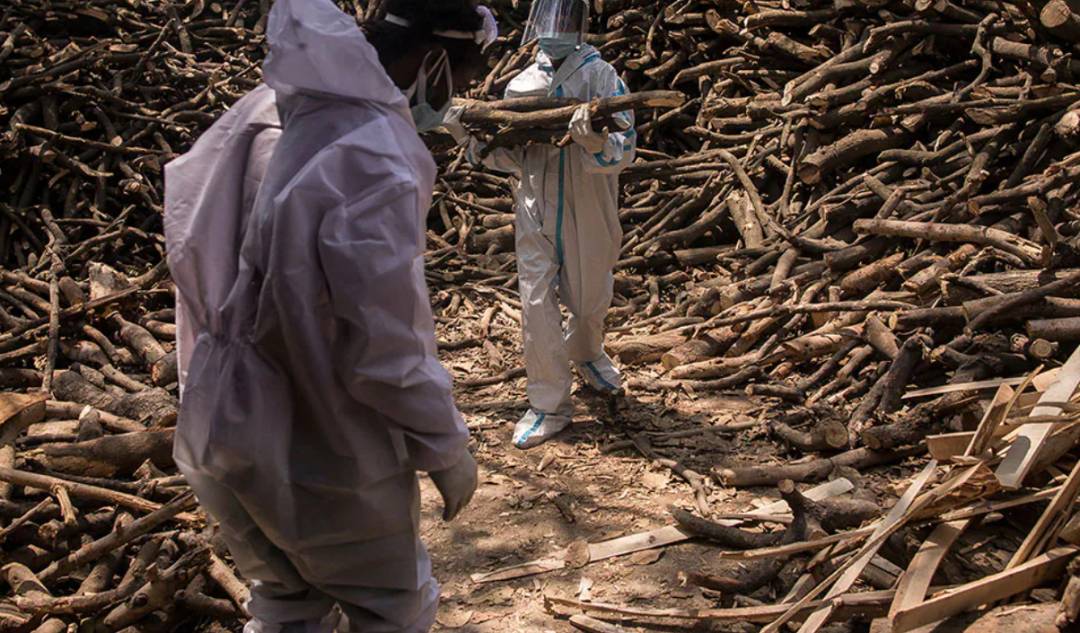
(425, 16)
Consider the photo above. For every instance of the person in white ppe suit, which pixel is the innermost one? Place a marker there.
(567, 227)
(311, 392)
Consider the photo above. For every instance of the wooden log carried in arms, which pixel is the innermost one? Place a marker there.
(543, 113)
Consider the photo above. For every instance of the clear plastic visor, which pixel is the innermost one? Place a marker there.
(548, 18)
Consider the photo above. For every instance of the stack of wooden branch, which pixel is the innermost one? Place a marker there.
(832, 557)
(855, 199)
(834, 203)
(96, 527)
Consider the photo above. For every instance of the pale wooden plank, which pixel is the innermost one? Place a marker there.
(976, 385)
(846, 575)
(1003, 402)
(986, 590)
(916, 580)
(946, 446)
(1025, 449)
(1054, 512)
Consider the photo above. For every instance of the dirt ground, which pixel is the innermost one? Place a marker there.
(514, 516)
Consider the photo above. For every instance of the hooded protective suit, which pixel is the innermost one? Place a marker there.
(568, 234)
(312, 392)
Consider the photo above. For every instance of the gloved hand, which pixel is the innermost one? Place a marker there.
(582, 132)
(456, 485)
(452, 124)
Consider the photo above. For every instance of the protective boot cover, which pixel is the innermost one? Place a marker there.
(601, 375)
(534, 428)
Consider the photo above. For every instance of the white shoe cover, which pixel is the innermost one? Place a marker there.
(601, 375)
(535, 428)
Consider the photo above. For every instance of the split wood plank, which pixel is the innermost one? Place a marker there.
(1055, 513)
(916, 580)
(1003, 402)
(977, 385)
(1047, 376)
(845, 576)
(1024, 451)
(17, 412)
(948, 446)
(986, 590)
(661, 537)
(865, 604)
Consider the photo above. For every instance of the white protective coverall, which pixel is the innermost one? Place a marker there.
(313, 393)
(567, 233)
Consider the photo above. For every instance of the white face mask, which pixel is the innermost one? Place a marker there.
(425, 116)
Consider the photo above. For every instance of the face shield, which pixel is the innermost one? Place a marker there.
(553, 18)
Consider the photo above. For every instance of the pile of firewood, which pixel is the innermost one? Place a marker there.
(852, 197)
(853, 200)
(95, 525)
(832, 557)
(864, 213)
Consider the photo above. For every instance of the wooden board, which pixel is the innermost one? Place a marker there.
(978, 385)
(668, 535)
(916, 580)
(986, 590)
(636, 543)
(1004, 399)
(1054, 514)
(845, 576)
(864, 604)
(17, 412)
(1025, 449)
(947, 446)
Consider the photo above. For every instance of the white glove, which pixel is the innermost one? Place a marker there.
(582, 133)
(456, 485)
(452, 124)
